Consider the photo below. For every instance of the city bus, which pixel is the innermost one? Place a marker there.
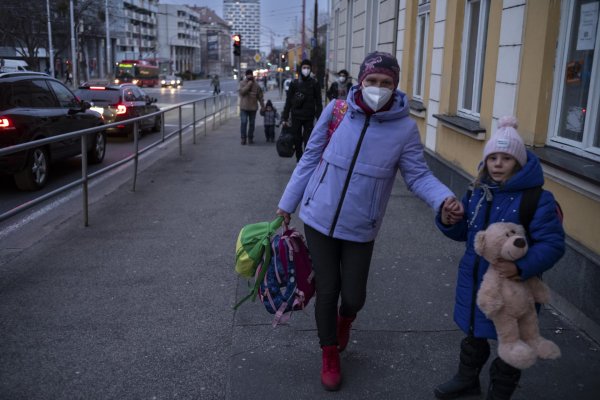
(139, 72)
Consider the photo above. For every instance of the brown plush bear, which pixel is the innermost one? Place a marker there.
(510, 303)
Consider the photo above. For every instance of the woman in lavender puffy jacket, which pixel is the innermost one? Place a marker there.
(343, 185)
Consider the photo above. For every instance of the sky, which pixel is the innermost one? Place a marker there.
(279, 18)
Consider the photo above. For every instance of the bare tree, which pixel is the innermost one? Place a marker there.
(23, 24)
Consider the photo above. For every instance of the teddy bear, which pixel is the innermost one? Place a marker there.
(510, 303)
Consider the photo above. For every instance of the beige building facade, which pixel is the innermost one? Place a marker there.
(466, 63)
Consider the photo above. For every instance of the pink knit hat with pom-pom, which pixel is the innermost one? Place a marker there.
(507, 140)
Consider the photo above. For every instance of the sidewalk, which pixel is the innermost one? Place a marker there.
(138, 305)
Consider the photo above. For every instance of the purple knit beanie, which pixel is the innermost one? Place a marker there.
(507, 140)
(380, 63)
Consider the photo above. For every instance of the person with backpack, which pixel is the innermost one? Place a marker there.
(344, 181)
(303, 102)
(509, 176)
(340, 88)
(251, 95)
(270, 115)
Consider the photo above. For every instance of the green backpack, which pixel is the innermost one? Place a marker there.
(253, 248)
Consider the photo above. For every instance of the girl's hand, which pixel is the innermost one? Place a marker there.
(507, 269)
(286, 216)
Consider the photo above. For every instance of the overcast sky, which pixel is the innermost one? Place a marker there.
(279, 18)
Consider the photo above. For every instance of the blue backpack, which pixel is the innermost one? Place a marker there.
(288, 283)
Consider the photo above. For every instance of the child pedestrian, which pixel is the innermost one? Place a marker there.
(271, 115)
(506, 171)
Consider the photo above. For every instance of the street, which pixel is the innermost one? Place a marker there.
(117, 148)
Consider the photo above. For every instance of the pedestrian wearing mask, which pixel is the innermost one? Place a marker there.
(340, 88)
(303, 102)
(251, 95)
(344, 183)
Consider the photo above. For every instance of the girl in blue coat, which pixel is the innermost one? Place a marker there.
(344, 184)
(507, 170)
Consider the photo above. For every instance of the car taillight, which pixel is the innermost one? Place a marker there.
(121, 109)
(6, 123)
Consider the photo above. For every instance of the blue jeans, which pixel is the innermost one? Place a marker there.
(247, 116)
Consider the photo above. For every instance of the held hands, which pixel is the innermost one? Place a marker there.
(452, 211)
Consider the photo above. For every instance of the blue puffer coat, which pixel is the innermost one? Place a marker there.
(545, 230)
(345, 185)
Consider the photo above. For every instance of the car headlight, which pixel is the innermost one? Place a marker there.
(163, 82)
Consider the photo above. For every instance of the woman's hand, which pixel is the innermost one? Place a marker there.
(286, 216)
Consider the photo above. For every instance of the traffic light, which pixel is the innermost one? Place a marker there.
(237, 44)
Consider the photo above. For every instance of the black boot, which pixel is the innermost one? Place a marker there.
(504, 379)
(474, 353)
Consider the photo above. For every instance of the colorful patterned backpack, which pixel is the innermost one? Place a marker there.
(288, 283)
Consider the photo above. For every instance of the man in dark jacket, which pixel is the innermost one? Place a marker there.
(304, 103)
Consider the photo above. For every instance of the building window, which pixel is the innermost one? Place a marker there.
(372, 28)
(421, 49)
(575, 124)
(472, 59)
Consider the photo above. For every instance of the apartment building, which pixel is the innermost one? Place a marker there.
(135, 26)
(179, 37)
(464, 64)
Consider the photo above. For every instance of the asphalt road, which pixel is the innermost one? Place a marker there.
(66, 171)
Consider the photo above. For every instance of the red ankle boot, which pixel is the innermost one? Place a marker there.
(344, 324)
(331, 376)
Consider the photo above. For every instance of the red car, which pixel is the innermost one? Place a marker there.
(120, 102)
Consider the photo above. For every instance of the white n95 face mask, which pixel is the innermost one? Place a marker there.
(342, 79)
(376, 97)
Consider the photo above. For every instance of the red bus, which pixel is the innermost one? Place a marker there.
(139, 72)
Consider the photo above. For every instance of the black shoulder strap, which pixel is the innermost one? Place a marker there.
(529, 203)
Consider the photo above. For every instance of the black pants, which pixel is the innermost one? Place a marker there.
(270, 133)
(341, 267)
(301, 129)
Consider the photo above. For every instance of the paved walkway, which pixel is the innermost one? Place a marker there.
(138, 304)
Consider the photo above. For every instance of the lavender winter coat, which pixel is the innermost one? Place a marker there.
(344, 186)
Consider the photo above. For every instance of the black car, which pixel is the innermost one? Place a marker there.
(120, 102)
(35, 106)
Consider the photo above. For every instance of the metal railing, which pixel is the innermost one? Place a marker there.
(216, 108)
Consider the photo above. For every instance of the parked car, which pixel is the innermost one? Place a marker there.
(35, 106)
(120, 102)
(170, 81)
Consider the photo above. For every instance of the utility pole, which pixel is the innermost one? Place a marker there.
(50, 47)
(303, 30)
(73, 45)
(315, 53)
(108, 49)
